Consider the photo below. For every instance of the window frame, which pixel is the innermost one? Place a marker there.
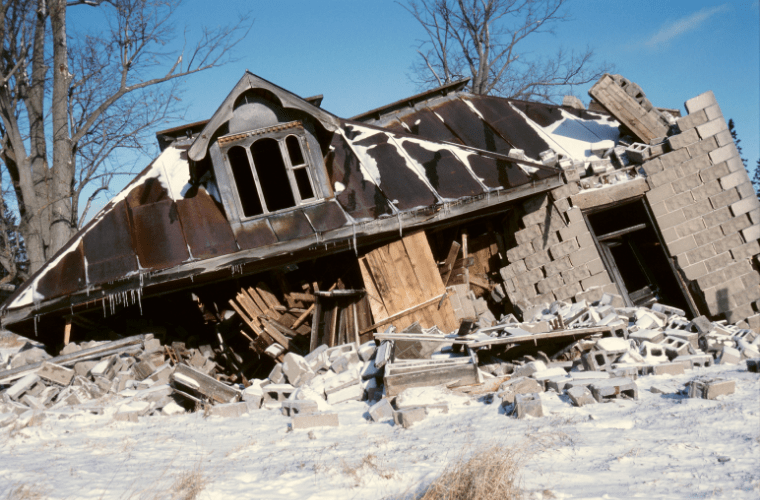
(280, 133)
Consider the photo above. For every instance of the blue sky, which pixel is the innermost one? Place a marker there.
(358, 53)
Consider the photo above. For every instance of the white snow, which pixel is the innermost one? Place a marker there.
(370, 172)
(661, 446)
(572, 136)
(175, 172)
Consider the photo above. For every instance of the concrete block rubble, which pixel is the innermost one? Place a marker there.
(588, 352)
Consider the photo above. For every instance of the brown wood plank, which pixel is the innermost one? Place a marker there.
(314, 340)
(331, 332)
(423, 263)
(252, 312)
(449, 262)
(399, 271)
(303, 297)
(269, 299)
(374, 299)
(355, 324)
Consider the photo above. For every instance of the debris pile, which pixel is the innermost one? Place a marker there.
(589, 353)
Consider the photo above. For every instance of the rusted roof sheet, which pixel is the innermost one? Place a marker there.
(426, 159)
(498, 124)
(205, 227)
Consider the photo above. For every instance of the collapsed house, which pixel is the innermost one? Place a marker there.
(278, 227)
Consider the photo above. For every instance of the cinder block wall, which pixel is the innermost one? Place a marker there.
(703, 204)
(555, 257)
(708, 213)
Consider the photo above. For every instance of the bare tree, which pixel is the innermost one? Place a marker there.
(86, 97)
(482, 39)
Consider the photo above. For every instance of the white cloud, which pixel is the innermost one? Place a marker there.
(680, 26)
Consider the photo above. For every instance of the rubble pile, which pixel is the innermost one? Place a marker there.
(589, 353)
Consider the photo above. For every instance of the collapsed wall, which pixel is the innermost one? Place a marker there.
(699, 199)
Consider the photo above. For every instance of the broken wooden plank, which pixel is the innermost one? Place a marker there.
(577, 332)
(67, 331)
(464, 256)
(314, 340)
(303, 297)
(401, 314)
(449, 262)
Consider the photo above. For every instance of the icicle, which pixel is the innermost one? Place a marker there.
(36, 318)
(104, 307)
(400, 231)
(139, 299)
(356, 250)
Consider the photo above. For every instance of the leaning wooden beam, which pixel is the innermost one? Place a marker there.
(315, 326)
(577, 332)
(449, 262)
(74, 357)
(401, 314)
(67, 331)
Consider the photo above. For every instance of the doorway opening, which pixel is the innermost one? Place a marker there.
(635, 257)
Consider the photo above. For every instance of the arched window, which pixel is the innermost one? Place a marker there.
(246, 185)
(273, 174)
(300, 169)
(270, 168)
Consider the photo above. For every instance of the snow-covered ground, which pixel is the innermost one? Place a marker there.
(661, 446)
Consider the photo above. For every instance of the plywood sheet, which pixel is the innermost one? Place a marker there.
(401, 275)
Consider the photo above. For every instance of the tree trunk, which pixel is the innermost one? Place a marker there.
(62, 175)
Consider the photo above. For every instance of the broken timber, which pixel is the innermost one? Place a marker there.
(574, 334)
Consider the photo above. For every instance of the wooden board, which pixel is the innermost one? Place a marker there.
(645, 125)
(402, 275)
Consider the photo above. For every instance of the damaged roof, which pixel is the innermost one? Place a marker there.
(442, 154)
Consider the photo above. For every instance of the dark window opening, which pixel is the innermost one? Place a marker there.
(303, 183)
(273, 174)
(294, 150)
(634, 257)
(246, 186)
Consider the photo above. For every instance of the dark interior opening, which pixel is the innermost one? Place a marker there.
(304, 185)
(294, 150)
(244, 182)
(272, 174)
(634, 256)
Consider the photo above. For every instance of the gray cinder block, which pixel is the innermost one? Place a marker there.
(521, 385)
(667, 369)
(528, 405)
(382, 410)
(409, 416)
(309, 420)
(614, 388)
(229, 410)
(711, 389)
(298, 406)
(580, 396)
(22, 385)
